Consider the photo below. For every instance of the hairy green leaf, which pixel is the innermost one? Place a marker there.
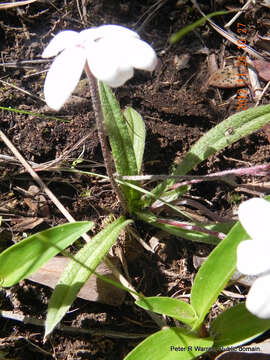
(175, 308)
(215, 272)
(79, 270)
(25, 257)
(222, 135)
(237, 326)
(136, 129)
(170, 344)
(120, 141)
(196, 235)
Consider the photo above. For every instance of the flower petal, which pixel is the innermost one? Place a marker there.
(254, 215)
(113, 51)
(63, 76)
(88, 35)
(107, 63)
(140, 54)
(258, 299)
(116, 31)
(253, 257)
(61, 41)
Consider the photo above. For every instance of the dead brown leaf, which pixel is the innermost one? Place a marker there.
(93, 290)
(26, 223)
(228, 78)
(263, 69)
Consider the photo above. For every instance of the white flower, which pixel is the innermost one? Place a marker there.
(253, 256)
(112, 53)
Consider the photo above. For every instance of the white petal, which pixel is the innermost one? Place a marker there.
(115, 31)
(253, 257)
(63, 76)
(119, 78)
(88, 35)
(258, 299)
(254, 215)
(140, 54)
(107, 64)
(61, 41)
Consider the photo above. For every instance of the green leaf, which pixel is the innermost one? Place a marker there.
(169, 196)
(224, 134)
(79, 270)
(170, 344)
(120, 141)
(177, 36)
(22, 259)
(136, 129)
(36, 115)
(196, 236)
(215, 272)
(116, 127)
(237, 326)
(175, 308)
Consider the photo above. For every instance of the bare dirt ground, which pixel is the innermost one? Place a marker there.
(178, 107)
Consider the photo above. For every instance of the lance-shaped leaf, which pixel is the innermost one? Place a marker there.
(209, 234)
(177, 36)
(171, 344)
(78, 271)
(175, 308)
(215, 272)
(120, 141)
(24, 258)
(237, 326)
(222, 135)
(136, 129)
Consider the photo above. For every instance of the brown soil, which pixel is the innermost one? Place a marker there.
(178, 108)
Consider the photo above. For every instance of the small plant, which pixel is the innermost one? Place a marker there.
(108, 54)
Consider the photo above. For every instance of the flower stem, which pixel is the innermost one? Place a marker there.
(102, 137)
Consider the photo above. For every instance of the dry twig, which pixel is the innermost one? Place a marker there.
(10, 5)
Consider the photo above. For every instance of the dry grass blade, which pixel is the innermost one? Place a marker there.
(245, 7)
(22, 90)
(148, 15)
(254, 80)
(5, 6)
(262, 94)
(35, 176)
(228, 36)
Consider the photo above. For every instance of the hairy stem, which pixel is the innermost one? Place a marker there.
(102, 137)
